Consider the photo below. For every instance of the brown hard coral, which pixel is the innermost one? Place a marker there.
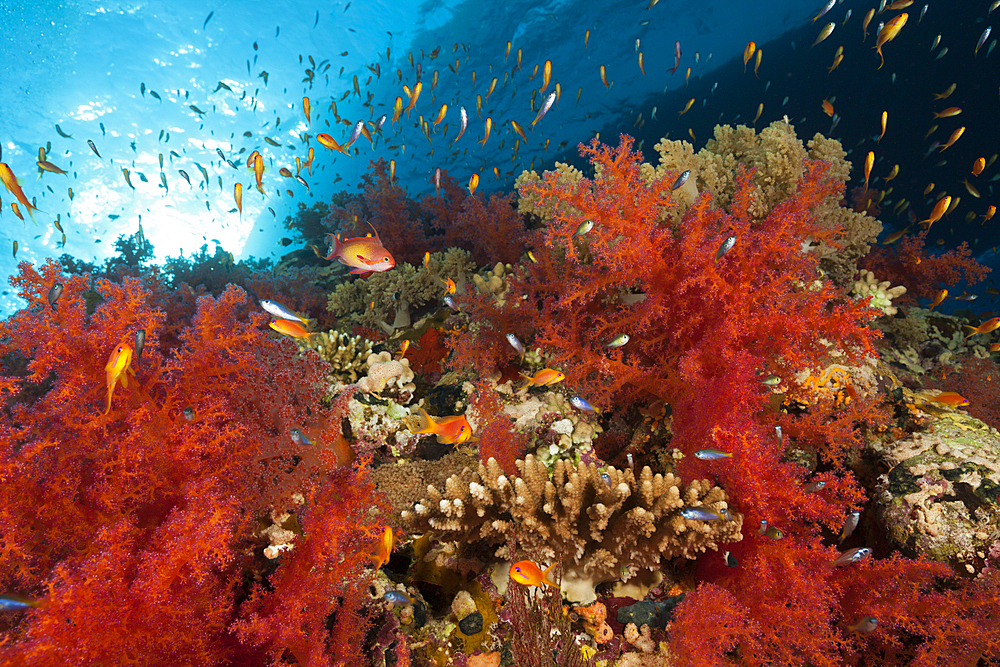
(594, 521)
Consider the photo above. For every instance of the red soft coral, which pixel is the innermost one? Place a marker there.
(137, 527)
(923, 274)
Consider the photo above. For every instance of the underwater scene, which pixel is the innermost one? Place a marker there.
(507, 333)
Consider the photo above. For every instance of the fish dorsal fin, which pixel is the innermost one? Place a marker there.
(374, 230)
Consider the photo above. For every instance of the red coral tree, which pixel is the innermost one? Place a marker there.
(908, 263)
(136, 528)
(705, 326)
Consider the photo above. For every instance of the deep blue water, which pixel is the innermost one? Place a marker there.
(83, 64)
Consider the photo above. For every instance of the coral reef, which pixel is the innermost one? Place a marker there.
(593, 522)
(346, 354)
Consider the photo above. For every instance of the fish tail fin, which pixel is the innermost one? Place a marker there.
(972, 330)
(546, 579)
(337, 245)
(428, 422)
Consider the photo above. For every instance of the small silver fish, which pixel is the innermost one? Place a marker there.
(581, 404)
(852, 556)
(700, 514)
(683, 178)
(140, 342)
(726, 246)
(549, 101)
(355, 133)
(93, 147)
(380, 123)
(515, 343)
(618, 340)
(584, 227)
(827, 7)
(780, 435)
(763, 527)
(813, 487)
(771, 380)
(849, 525)
(982, 39)
(280, 312)
(189, 414)
(448, 301)
(711, 455)
(54, 293)
(865, 624)
(631, 462)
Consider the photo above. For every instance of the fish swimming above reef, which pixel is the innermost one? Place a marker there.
(365, 254)
(449, 430)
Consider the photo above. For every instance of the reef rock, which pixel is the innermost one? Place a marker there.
(940, 496)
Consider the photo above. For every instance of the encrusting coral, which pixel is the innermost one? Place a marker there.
(594, 521)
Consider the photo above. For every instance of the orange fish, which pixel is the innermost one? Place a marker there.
(238, 196)
(329, 142)
(948, 113)
(938, 298)
(546, 376)
(449, 430)
(449, 286)
(473, 183)
(989, 214)
(938, 211)
(525, 572)
(520, 130)
(441, 113)
(989, 325)
(748, 54)
(885, 119)
(978, 166)
(307, 109)
(8, 178)
(888, 33)
(953, 138)
(258, 172)
(864, 24)
(414, 96)
(949, 398)
(291, 328)
(365, 254)
(827, 107)
(383, 550)
(869, 163)
(17, 211)
(117, 369)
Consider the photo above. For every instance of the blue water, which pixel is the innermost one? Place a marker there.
(80, 64)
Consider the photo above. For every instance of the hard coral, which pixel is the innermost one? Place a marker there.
(593, 525)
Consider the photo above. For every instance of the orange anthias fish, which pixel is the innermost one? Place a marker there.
(449, 430)
(949, 398)
(383, 550)
(546, 376)
(118, 367)
(989, 325)
(888, 33)
(291, 328)
(329, 142)
(938, 211)
(9, 180)
(528, 573)
(941, 296)
(365, 254)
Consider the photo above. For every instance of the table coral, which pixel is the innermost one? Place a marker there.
(592, 522)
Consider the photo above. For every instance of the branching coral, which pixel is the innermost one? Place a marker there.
(593, 522)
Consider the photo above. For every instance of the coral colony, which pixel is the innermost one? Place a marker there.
(627, 417)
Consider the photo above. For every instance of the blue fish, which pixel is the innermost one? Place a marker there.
(16, 602)
(711, 454)
(582, 404)
(700, 514)
(397, 597)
